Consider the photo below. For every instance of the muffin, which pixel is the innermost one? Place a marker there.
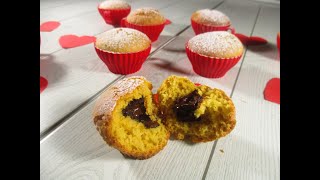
(125, 117)
(123, 50)
(213, 54)
(112, 11)
(195, 113)
(146, 20)
(207, 20)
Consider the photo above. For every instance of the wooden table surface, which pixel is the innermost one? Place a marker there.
(71, 147)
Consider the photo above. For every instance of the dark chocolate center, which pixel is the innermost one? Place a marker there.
(137, 111)
(184, 107)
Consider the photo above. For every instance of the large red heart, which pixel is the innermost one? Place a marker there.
(251, 41)
(71, 41)
(43, 83)
(49, 26)
(272, 90)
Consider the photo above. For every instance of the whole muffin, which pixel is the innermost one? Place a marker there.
(125, 117)
(195, 113)
(146, 20)
(210, 18)
(146, 17)
(207, 20)
(112, 11)
(123, 40)
(123, 50)
(212, 54)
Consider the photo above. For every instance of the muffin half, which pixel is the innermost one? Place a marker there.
(125, 117)
(195, 113)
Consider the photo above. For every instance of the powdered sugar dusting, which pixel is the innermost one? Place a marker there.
(114, 4)
(147, 10)
(120, 38)
(213, 17)
(216, 44)
(108, 100)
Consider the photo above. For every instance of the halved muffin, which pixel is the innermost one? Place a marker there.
(125, 117)
(195, 113)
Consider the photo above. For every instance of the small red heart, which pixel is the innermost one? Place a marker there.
(43, 83)
(278, 41)
(168, 22)
(71, 41)
(272, 90)
(251, 41)
(49, 26)
(197, 84)
(156, 98)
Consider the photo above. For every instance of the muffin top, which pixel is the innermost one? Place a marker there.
(146, 17)
(114, 4)
(218, 44)
(210, 17)
(122, 40)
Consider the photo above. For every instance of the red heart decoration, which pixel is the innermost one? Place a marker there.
(272, 90)
(167, 22)
(43, 83)
(251, 41)
(197, 84)
(71, 41)
(156, 98)
(49, 26)
(278, 41)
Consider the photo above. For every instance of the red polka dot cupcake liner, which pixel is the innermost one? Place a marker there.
(123, 63)
(113, 16)
(210, 67)
(153, 32)
(200, 28)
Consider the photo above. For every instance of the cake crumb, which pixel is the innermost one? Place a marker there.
(221, 150)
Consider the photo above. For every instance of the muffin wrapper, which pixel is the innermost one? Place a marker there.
(113, 16)
(200, 28)
(210, 67)
(153, 32)
(123, 63)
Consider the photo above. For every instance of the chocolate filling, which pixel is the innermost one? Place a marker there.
(137, 111)
(184, 107)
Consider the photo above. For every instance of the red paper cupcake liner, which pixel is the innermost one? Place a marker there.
(113, 16)
(153, 32)
(123, 63)
(210, 67)
(200, 28)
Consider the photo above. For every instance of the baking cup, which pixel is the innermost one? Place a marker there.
(210, 67)
(153, 32)
(123, 63)
(113, 16)
(200, 28)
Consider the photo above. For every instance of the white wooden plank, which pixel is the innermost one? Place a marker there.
(90, 23)
(70, 86)
(267, 27)
(252, 150)
(76, 151)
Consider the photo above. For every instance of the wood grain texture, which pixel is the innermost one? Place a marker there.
(76, 151)
(252, 151)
